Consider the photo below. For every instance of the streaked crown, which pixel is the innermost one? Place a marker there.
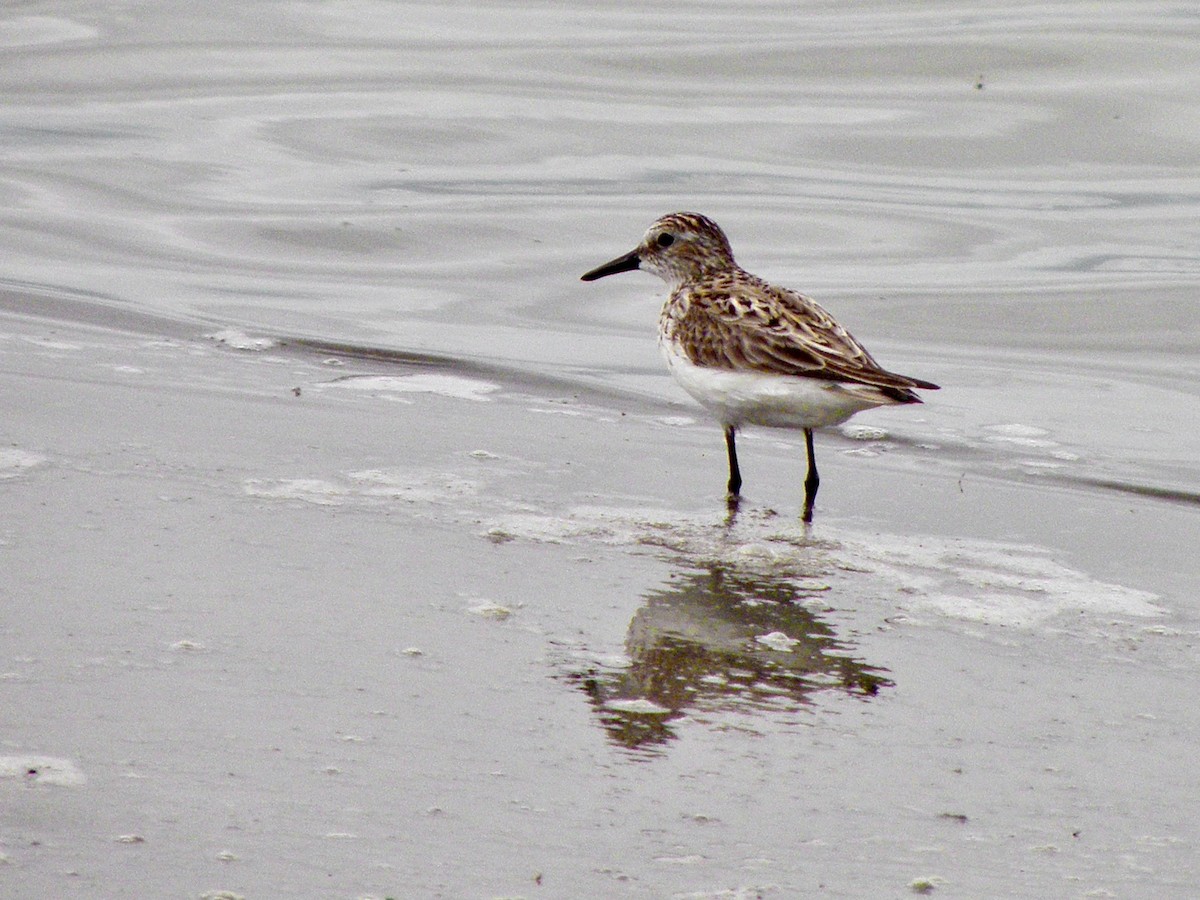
(684, 245)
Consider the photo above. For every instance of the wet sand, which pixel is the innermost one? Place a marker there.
(335, 628)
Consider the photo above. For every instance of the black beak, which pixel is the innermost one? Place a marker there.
(626, 263)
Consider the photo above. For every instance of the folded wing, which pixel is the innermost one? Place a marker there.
(738, 321)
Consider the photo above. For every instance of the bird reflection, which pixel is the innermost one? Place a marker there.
(716, 638)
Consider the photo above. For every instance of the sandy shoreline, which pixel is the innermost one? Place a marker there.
(268, 631)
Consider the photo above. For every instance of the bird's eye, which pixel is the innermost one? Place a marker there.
(665, 240)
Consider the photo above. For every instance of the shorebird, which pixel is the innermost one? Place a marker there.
(750, 352)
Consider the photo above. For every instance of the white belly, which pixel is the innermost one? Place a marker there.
(775, 401)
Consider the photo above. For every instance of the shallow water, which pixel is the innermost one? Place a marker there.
(1002, 201)
(387, 206)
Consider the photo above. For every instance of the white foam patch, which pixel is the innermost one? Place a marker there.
(455, 386)
(574, 410)
(1020, 435)
(307, 490)
(488, 609)
(15, 462)
(639, 705)
(874, 449)
(410, 486)
(370, 487)
(239, 340)
(777, 640)
(864, 432)
(553, 529)
(994, 583)
(609, 525)
(1017, 430)
(42, 770)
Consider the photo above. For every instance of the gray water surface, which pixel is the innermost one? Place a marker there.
(355, 548)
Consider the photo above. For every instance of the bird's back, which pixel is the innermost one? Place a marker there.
(733, 320)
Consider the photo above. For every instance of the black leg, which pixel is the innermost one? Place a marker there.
(735, 475)
(812, 481)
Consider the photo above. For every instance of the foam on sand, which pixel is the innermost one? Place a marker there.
(455, 386)
(14, 462)
(42, 770)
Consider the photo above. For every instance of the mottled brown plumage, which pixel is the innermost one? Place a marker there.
(735, 320)
(749, 351)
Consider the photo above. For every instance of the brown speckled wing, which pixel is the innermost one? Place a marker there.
(735, 320)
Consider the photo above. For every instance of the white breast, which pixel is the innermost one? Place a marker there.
(776, 401)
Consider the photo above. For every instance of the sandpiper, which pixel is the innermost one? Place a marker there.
(750, 352)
